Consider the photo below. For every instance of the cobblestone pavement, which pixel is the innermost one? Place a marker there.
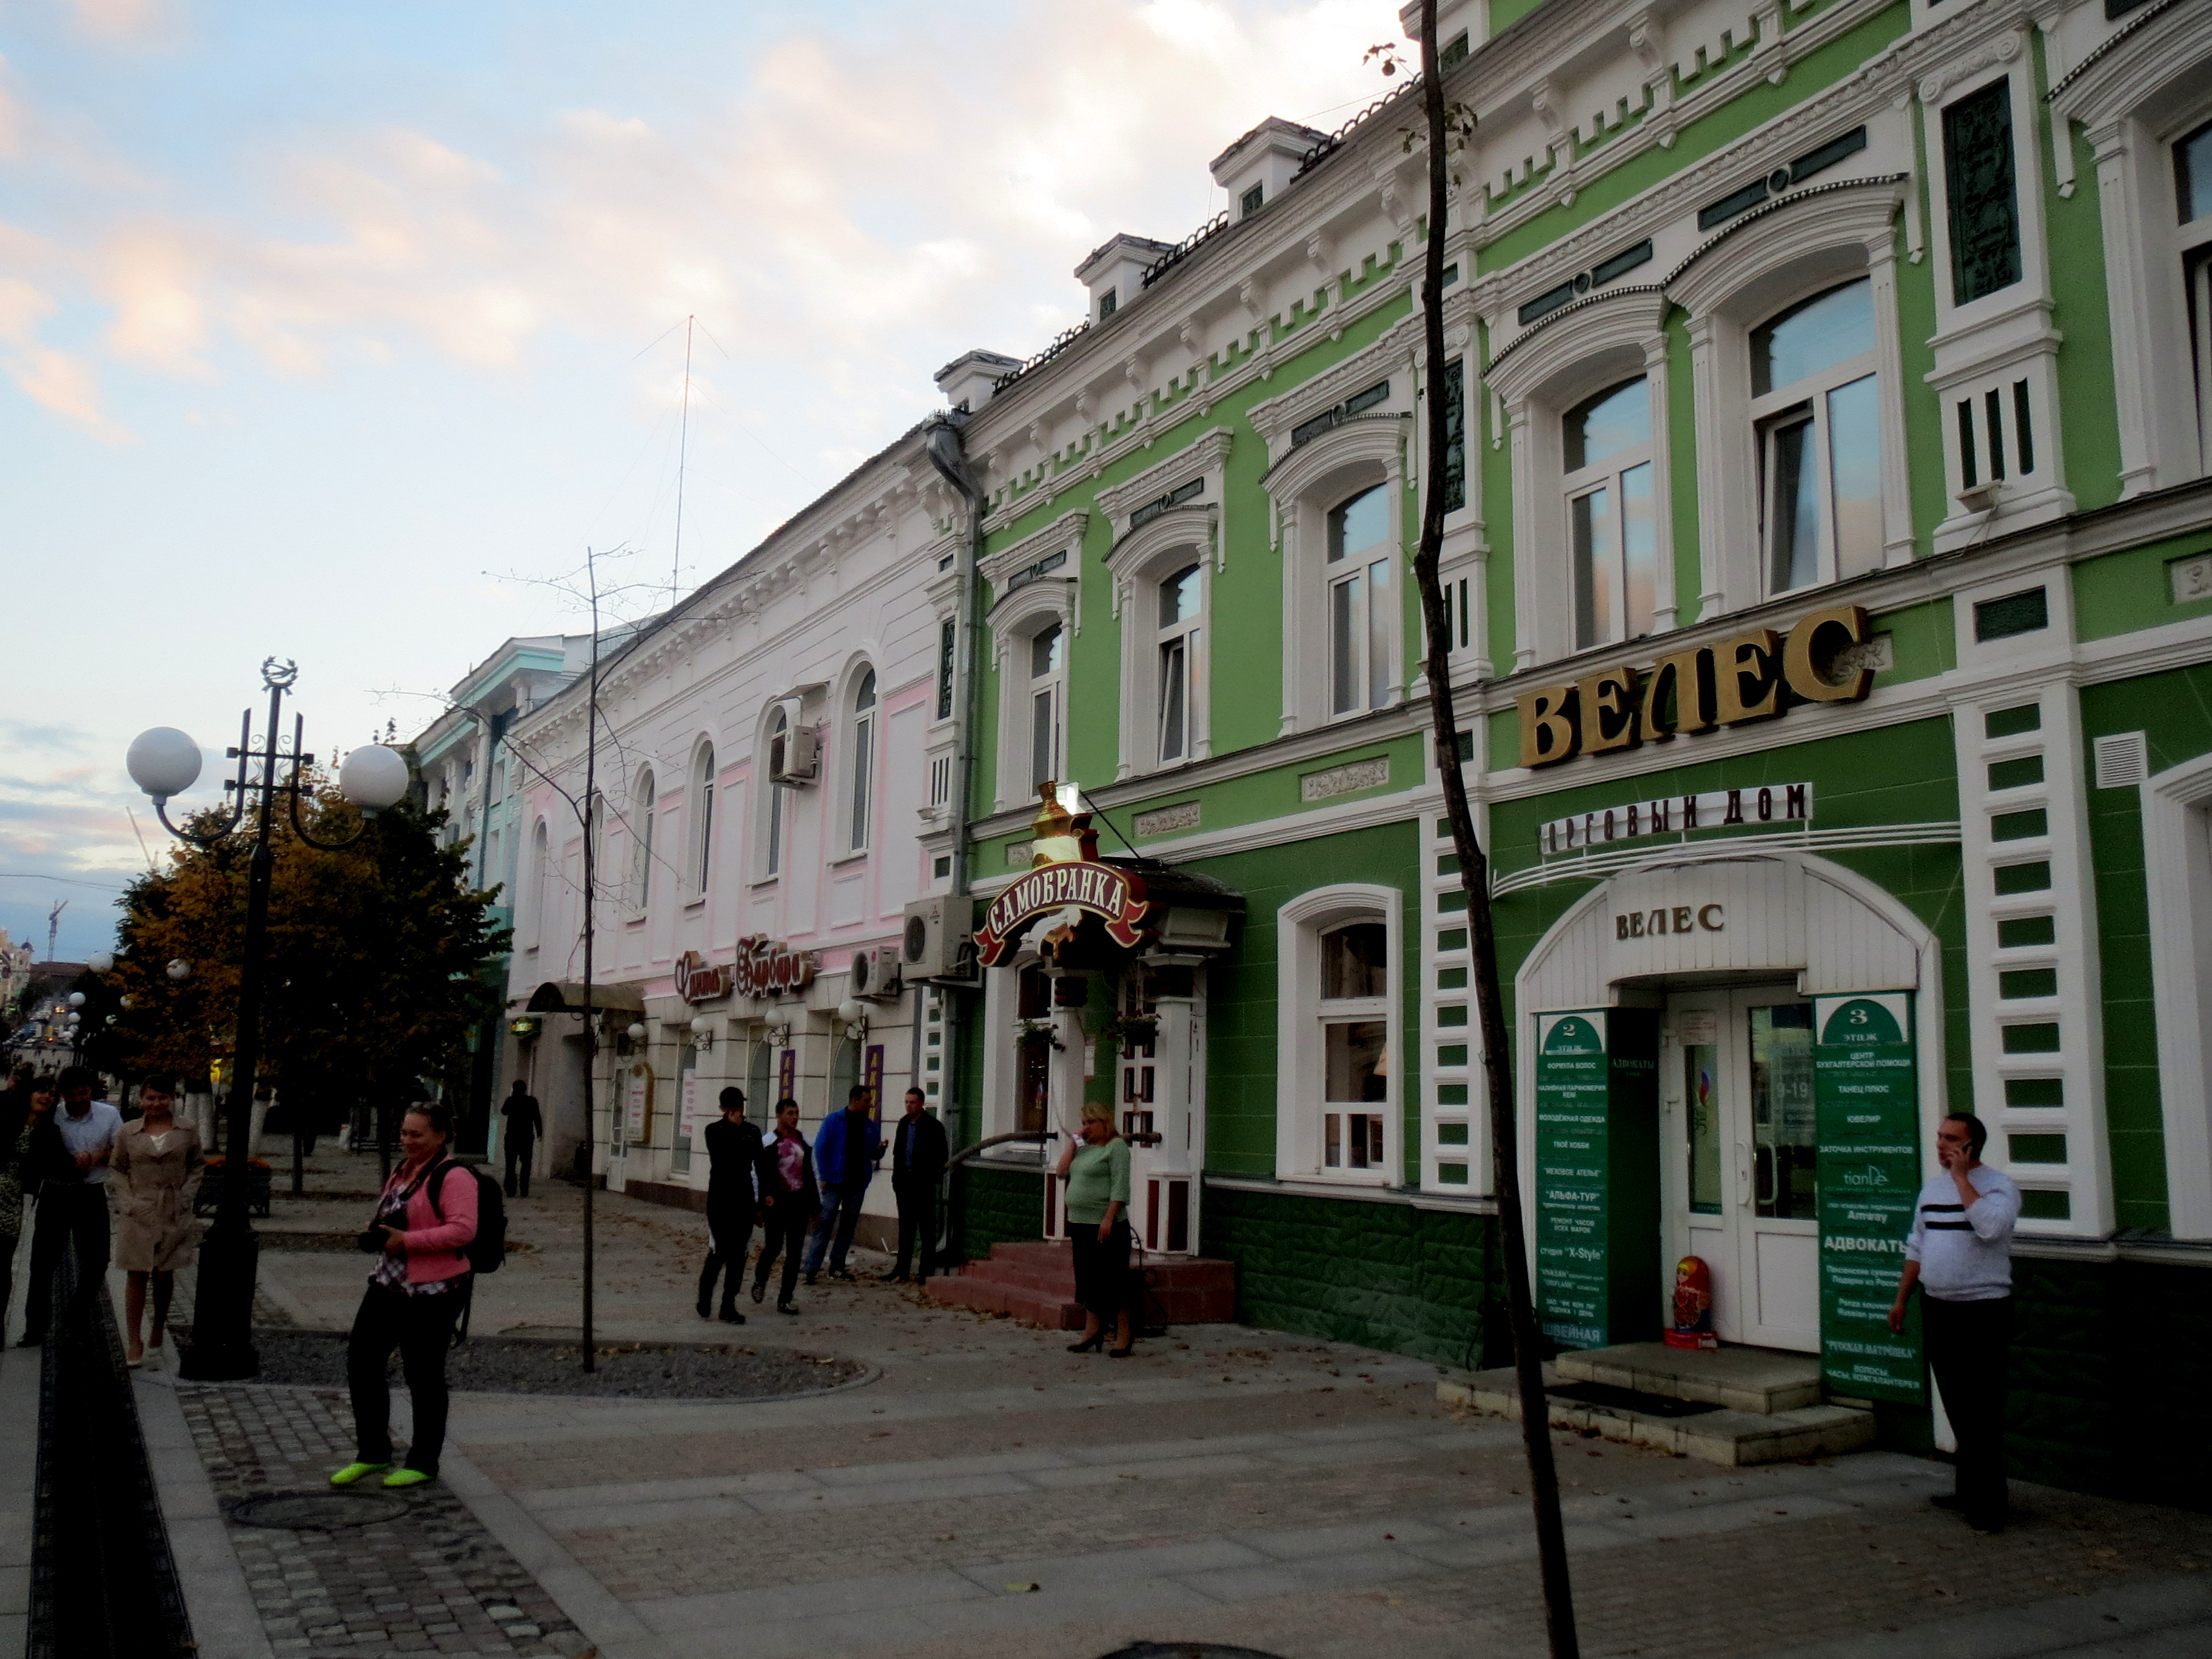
(990, 1496)
(431, 1580)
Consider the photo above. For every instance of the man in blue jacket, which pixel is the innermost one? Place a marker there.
(845, 1152)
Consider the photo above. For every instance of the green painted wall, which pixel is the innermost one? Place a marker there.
(2122, 592)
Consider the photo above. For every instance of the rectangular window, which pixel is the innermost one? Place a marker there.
(2023, 877)
(948, 637)
(864, 760)
(1043, 731)
(1793, 507)
(940, 781)
(1248, 202)
(705, 835)
(1455, 435)
(1698, 1060)
(2035, 1092)
(2017, 932)
(2011, 722)
(1984, 204)
(1174, 710)
(2015, 613)
(2018, 774)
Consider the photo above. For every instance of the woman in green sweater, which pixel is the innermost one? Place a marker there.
(1097, 1172)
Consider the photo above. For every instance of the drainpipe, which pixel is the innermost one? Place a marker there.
(949, 455)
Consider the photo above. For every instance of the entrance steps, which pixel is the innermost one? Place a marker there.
(1034, 1282)
(1732, 1406)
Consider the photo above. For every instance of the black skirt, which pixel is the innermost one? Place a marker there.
(1102, 1269)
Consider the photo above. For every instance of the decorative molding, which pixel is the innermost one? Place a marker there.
(1372, 774)
(1063, 534)
(1207, 452)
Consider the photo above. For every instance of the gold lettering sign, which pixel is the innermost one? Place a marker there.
(1733, 682)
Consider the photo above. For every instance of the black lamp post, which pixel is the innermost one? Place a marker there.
(164, 761)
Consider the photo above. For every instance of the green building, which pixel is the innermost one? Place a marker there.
(1829, 542)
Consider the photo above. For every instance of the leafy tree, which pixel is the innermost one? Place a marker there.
(374, 964)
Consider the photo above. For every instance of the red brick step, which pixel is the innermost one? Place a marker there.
(1034, 1282)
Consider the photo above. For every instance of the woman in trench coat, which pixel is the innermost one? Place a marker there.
(154, 1174)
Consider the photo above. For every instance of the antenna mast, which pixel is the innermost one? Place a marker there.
(682, 454)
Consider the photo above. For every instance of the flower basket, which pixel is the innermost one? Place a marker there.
(1124, 1033)
(1035, 1034)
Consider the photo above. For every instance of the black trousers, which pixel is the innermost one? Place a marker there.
(7, 1280)
(729, 1231)
(1969, 1346)
(421, 1328)
(917, 1213)
(783, 1230)
(1102, 1270)
(66, 1212)
(520, 1149)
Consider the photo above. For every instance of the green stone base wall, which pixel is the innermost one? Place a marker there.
(2106, 1359)
(1380, 1275)
(997, 1206)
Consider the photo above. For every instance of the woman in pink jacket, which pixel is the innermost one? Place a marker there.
(414, 1296)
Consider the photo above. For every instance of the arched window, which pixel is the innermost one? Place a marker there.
(702, 861)
(1359, 602)
(1607, 474)
(642, 810)
(773, 804)
(1180, 599)
(1047, 691)
(862, 772)
(1337, 1020)
(1817, 414)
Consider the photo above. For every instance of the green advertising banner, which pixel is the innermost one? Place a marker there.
(1867, 1103)
(1597, 1176)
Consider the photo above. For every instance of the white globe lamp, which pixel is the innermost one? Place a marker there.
(163, 762)
(374, 777)
(100, 962)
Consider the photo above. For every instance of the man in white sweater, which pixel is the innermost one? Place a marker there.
(1959, 1255)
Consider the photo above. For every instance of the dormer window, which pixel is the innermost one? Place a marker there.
(1455, 52)
(1249, 204)
(1106, 301)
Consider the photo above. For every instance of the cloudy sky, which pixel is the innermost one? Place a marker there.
(325, 328)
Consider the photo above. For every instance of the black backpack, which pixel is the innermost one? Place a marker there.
(488, 1247)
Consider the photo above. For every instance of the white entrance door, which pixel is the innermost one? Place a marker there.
(1737, 1081)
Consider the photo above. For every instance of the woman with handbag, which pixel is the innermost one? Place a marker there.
(414, 1295)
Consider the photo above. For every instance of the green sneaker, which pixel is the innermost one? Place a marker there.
(407, 1478)
(352, 1472)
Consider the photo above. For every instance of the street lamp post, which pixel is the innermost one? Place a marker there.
(163, 763)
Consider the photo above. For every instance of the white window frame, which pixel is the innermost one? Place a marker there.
(1138, 563)
(541, 884)
(2177, 823)
(1017, 616)
(859, 799)
(1354, 573)
(1181, 641)
(1538, 379)
(2150, 85)
(1741, 276)
(1300, 1045)
(1607, 474)
(699, 850)
(1306, 481)
(1031, 687)
(1768, 410)
(775, 809)
(645, 807)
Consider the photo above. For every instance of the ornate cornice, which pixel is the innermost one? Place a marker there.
(1203, 454)
(1064, 533)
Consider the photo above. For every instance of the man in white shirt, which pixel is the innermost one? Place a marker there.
(72, 1196)
(1960, 1256)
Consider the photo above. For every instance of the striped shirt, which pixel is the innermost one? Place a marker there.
(1965, 1251)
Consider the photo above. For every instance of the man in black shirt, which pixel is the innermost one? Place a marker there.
(733, 1148)
(524, 1126)
(918, 1156)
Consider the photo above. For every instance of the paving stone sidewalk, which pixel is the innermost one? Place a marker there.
(431, 1580)
(990, 1496)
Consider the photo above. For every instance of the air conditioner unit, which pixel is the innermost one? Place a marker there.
(875, 974)
(796, 756)
(940, 942)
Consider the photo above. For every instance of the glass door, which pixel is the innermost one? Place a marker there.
(1736, 1089)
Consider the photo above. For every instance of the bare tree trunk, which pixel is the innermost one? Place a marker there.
(1474, 875)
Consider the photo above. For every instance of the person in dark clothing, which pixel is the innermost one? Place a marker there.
(846, 1154)
(69, 1154)
(524, 1126)
(918, 1155)
(733, 1148)
(28, 1103)
(789, 1199)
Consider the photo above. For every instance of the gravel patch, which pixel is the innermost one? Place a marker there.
(626, 1370)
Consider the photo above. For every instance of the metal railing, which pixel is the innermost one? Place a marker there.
(103, 1583)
